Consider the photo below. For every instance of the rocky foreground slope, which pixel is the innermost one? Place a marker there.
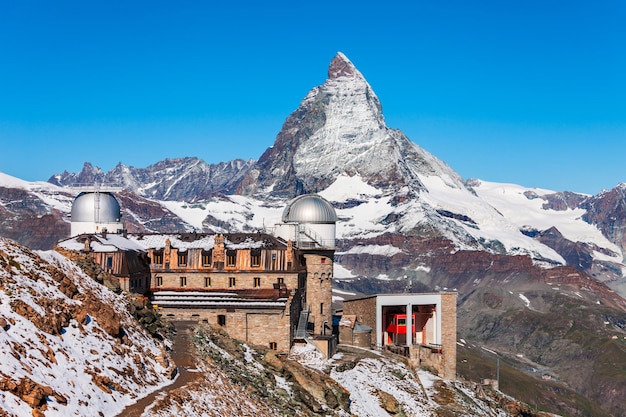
(69, 346)
(242, 380)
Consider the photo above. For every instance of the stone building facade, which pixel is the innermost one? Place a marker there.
(252, 285)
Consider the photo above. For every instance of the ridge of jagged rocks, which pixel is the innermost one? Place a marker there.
(178, 179)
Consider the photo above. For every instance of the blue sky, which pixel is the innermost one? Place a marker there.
(532, 93)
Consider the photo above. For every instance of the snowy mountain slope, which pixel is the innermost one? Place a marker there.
(54, 197)
(523, 207)
(34, 214)
(68, 345)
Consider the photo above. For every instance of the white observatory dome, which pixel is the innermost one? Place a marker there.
(93, 212)
(309, 221)
(98, 207)
(309, 208)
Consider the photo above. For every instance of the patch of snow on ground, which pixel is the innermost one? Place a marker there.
(339, 272)
(79, 350)
(524, 299)
(371, 376)
(283, 384)
(346, 187)
(308, 355)
(382, 250)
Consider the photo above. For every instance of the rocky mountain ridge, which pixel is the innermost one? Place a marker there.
(179, 179)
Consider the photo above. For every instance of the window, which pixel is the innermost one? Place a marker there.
(321, 308)
(183, 281)
(231, 257)
(207, 281)
(206, 258)
(159, 281)
(280, 280)
(182, 258)
(221, 320)
(158, 258)
(109, 262)
(255, 257)
(231, 281)
(323, 260)
(257, 282)
(273, 345)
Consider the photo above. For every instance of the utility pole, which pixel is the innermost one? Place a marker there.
(498, 372)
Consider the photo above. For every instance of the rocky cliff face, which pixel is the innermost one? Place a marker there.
(69, 345)
(607, 211)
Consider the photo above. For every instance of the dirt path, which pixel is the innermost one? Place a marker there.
(182, 354)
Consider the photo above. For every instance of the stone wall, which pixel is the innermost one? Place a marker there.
(319, 299)
(254, 326)
(448, 334)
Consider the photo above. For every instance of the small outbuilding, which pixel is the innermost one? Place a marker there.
(351, 332)
(420, 326)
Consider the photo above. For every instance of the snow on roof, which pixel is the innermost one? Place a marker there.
(248, 243)
(157, 241)
(98, 243)
(113, 242)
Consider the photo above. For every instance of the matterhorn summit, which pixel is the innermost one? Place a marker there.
(339, 129)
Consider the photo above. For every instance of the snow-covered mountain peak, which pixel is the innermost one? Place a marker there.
(339, 129)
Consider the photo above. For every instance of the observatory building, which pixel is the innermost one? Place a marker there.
(268, 288)
(96, 212)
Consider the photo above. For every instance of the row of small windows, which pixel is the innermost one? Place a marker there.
(232, 281)
(231, 258)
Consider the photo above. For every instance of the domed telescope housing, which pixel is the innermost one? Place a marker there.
(309, 221)
(95, 212)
